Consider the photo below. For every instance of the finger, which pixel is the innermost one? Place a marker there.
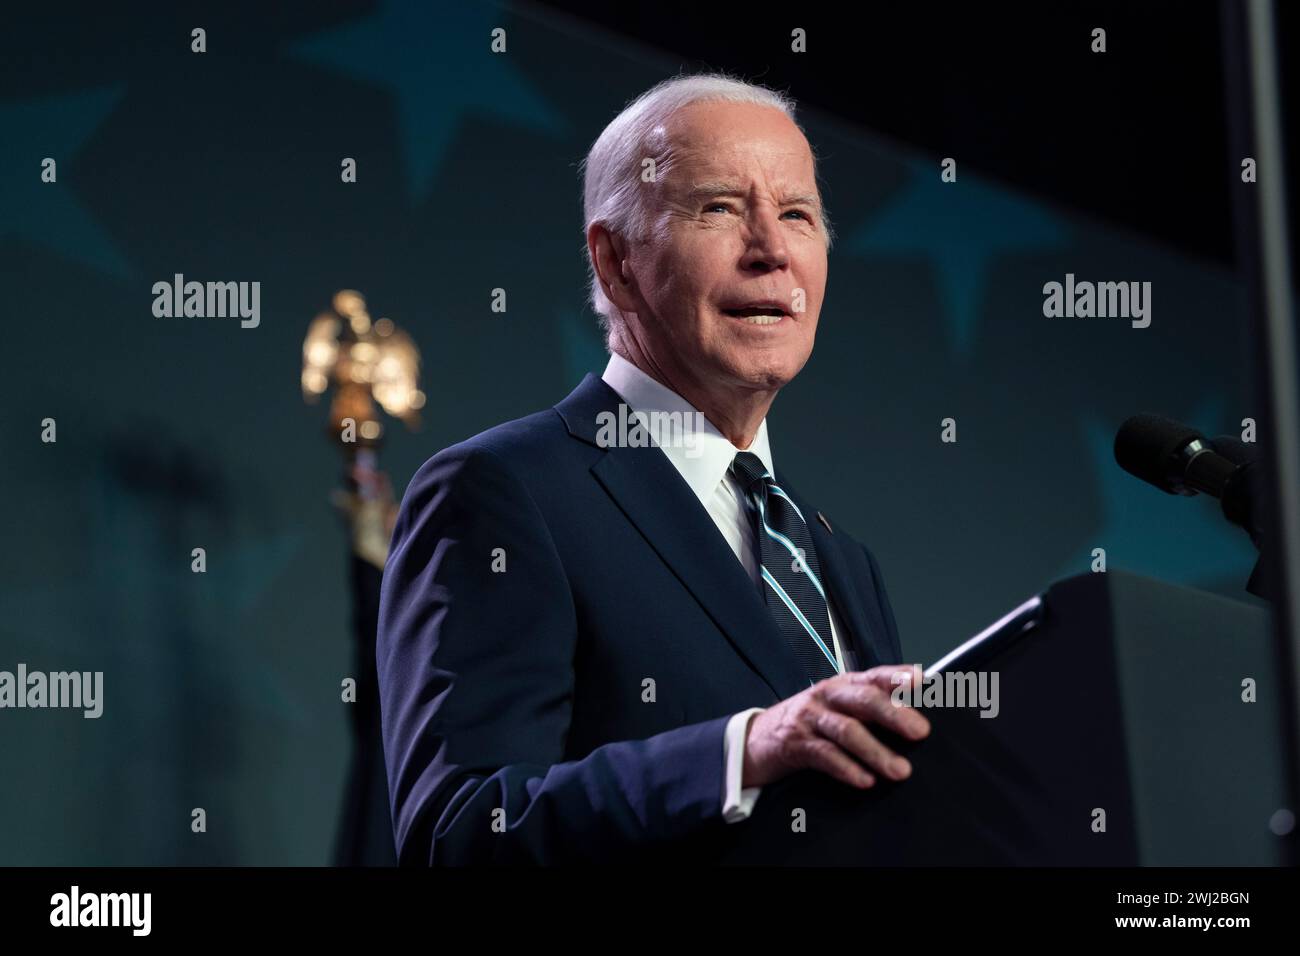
(893, 675)
(849, 734)
(824, 755)
(889, 679)
(898, 717)
(872, 705)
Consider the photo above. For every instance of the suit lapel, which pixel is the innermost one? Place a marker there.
(658, 501)
(840, 587)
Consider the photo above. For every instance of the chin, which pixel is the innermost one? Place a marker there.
(767, 373)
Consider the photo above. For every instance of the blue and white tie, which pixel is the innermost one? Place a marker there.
(789, 568)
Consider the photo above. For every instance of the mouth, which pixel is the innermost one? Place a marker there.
(758, 314)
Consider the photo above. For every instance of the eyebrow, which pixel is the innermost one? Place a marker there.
(708, 190)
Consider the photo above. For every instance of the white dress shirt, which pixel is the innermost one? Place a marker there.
(705, 468)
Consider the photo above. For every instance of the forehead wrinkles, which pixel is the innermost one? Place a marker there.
(686, 154)
(786, 176)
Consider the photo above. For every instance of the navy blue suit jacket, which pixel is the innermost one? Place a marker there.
(517, 723)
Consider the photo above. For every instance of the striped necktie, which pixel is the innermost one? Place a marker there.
(789, 568)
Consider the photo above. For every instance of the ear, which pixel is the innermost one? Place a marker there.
(608, 252)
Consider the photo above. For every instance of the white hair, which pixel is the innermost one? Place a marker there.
(611, 173)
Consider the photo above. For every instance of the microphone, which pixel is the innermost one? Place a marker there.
(1234, 449)
(1179, 460)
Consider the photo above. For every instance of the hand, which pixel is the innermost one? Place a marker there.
(824, 728)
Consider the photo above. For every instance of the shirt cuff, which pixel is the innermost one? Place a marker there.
(737, 803)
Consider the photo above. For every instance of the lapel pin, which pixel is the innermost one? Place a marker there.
(822, 518)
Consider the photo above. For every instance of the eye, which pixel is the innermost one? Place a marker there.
(799, 212)
(717, 205)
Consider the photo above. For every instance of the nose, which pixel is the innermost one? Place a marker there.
(765, 247)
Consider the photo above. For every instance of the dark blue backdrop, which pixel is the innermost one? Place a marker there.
(222, 689)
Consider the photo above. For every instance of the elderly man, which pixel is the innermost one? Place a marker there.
(603, 650)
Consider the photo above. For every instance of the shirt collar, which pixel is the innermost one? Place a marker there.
(703, 465)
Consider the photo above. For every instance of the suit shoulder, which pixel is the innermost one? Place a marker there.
(517, 446)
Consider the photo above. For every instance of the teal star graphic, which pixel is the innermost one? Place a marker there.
(1178, 539)
(438, 63)
(49, 214)
(961, 227)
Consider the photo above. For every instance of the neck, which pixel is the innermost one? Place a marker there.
(736, 413)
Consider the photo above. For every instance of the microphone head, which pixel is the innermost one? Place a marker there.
(1148, 447)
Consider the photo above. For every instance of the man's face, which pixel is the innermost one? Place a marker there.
(735, 227)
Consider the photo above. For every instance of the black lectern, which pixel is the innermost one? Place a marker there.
(1136, 723)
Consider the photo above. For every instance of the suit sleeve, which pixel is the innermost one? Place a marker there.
(886, 610)
(475, 649)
